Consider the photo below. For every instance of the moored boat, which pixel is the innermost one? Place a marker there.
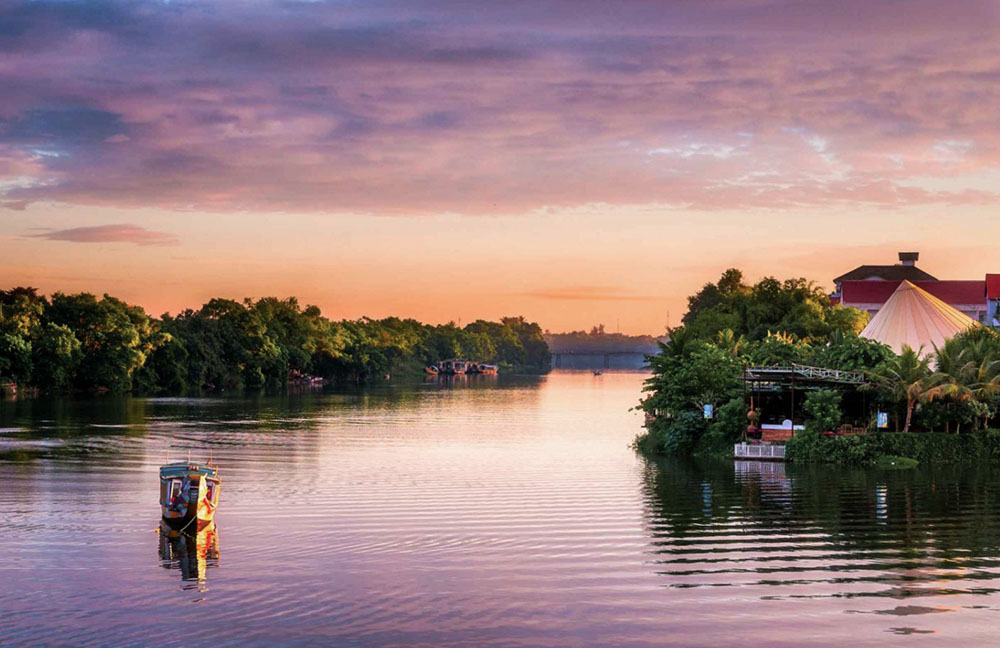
(432, 370)
(453, 366)
(189, 492)
(488, 369)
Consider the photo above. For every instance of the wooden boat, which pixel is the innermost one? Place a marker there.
(188, 492)
(432, 370)
(488, 369)
(453, 366)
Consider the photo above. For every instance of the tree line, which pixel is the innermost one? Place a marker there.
(731, 325)
(598, 340)
(79, 342)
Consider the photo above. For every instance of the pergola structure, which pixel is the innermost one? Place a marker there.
(761, 383)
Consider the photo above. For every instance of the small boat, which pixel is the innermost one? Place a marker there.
(454, 366)
(188, 492)
(598, 372)
(432, 370)
(488, 369)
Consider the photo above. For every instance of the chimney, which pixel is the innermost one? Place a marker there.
(909, 258)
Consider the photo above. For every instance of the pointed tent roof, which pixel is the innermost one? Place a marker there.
(914, 317)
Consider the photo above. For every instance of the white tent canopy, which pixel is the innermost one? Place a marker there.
(912, 316)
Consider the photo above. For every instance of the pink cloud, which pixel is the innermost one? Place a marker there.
(404, 109)
(119, 233)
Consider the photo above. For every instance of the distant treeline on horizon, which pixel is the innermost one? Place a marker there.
(600, 341)
(81, 343)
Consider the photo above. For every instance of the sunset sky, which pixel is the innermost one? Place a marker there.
(572, 161)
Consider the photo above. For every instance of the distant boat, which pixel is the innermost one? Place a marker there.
(432, 370)
(598, 372)
(453, 366)
(487, 369)
(188, 492)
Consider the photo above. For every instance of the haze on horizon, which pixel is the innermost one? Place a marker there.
(575, 162)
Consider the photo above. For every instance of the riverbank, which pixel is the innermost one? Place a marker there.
(881, 448)
(870, 449)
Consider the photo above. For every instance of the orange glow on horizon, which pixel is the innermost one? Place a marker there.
(626, 266)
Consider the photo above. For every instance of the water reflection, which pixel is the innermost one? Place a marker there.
(192, 553)
(773, 532)
(434, 515)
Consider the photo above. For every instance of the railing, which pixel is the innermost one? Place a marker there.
(804, 372)
(748, 451)
(829, 374)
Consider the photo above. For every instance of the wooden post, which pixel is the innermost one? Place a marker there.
(793, 403)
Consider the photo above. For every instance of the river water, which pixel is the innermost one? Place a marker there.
(480, 512)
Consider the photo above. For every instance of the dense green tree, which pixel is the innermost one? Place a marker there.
(80, 342)
(794, 306)
(529, 334)
(55, 355)
(20, 313)
(114, 338)
(823, 409)
(705, 375)
(849, 352)
(779, 350)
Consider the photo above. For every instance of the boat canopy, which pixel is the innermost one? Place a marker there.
(184, 468)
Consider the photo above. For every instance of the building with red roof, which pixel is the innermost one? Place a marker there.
(870, 287)
(905, 270)
(993, 299)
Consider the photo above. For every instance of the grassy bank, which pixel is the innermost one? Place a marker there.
(688, 436)
(925, 447)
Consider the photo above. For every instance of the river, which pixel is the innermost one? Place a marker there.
(480, 512)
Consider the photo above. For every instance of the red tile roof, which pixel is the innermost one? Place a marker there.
(950, 292)
(895, 273)
(993, 286)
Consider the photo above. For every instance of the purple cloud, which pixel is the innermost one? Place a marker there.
(119, 233)
(401, 107)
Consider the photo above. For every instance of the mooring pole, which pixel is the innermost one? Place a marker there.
(793, 402)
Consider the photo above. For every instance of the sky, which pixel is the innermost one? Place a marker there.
(576, 162)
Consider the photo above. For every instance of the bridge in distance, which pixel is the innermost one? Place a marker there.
(599, 359)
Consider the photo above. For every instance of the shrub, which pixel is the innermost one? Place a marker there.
(805, 446)
(927, 448)
(674, 436)
(823, 407)
(727, 428)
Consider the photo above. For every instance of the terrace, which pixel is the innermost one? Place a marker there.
(775, 394)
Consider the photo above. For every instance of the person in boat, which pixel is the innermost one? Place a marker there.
(179, 502)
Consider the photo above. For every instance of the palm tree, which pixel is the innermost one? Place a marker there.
(952, 377)
(680, 343)
(904, 377)
(965, 369)
(728, 341)
(985, 385)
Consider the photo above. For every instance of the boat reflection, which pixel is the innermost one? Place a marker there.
(190, 552)
(473, 381)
